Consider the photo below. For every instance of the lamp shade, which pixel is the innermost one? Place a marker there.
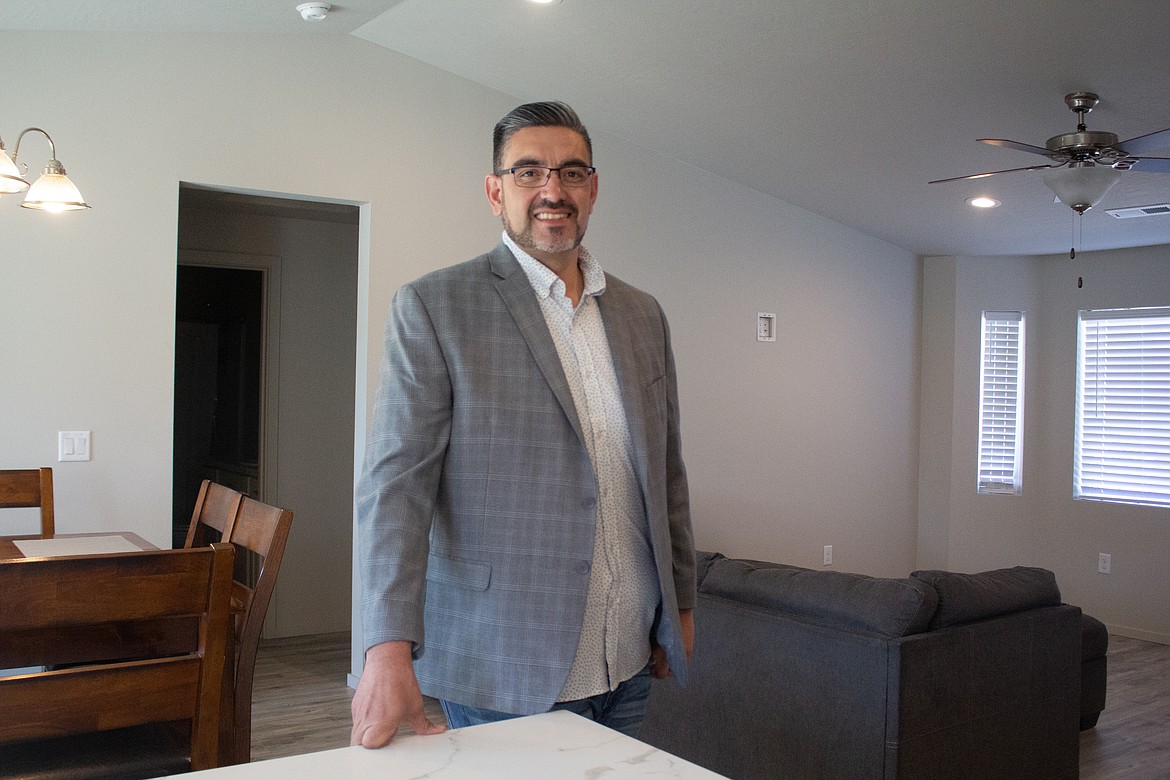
(54, 192)
(1081, 185)
(10, 178)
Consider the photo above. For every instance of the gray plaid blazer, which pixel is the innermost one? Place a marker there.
(477, 502)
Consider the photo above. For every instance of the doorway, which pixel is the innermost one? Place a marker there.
(219, 353)
(287, 437)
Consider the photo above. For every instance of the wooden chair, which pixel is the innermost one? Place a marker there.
(259, 532)
(24, 488)
(155, 714)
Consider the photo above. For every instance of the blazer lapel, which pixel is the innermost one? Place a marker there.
(517, 294)
(621, 347)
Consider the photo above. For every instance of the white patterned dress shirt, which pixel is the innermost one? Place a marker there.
(623, 586)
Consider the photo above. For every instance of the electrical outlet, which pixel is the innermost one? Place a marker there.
(828, 555)
(1104, 562)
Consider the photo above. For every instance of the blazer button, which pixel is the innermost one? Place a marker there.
(588, 503)
(582, 567)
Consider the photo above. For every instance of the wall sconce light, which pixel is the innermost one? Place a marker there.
(51, 192)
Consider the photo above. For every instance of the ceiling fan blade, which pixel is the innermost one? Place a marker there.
(1015, 145)
(1151, 164)
(993, 173)
(1151, 142)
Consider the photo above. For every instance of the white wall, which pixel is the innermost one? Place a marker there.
(790, 446)
(1044, 526)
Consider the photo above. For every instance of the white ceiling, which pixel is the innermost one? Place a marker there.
(844, 107)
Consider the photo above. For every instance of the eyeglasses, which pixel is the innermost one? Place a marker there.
(538, 175)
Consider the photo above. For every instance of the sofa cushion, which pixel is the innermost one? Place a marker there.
(965, 598)
(886, 607)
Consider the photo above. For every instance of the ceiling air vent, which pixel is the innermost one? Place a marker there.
(1140, 211)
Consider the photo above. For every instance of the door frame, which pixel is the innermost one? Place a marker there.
(269, 267)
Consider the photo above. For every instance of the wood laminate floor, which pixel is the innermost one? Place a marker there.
(301, 705)
(1132, 739)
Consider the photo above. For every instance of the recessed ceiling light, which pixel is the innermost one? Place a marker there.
(544, 2)
(982, 202)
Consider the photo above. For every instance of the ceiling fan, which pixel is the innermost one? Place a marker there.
(1085, 164)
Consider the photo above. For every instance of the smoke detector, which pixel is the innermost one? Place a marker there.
(314, 12)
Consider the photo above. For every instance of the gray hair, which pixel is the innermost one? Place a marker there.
(544, 114)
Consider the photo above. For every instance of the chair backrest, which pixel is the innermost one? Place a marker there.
(215, 513)
(48, 599)
(262, 530)
(25, 488)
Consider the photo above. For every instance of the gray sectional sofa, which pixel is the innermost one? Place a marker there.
(801, 673)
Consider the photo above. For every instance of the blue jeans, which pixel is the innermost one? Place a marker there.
(621, 709)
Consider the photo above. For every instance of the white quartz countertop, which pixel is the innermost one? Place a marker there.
(553, 746)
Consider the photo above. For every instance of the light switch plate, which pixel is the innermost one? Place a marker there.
(72, 445)
(765, 326)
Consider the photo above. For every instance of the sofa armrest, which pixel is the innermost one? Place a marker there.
(969, 700)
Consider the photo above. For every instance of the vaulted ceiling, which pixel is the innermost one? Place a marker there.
(843, 107)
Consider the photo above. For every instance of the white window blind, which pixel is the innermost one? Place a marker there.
(1001, 402)
(1123, 406)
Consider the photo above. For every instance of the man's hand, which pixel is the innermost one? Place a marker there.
(388, 696)
(659, 666)
(686, 622)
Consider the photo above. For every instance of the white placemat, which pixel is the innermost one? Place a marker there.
(77, 545)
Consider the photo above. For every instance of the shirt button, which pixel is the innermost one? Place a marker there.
(588, 503)
(582, 567)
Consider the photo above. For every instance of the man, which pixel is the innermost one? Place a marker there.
(523, 512)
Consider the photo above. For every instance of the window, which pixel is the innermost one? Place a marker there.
(1123, 407)
(1001, 402)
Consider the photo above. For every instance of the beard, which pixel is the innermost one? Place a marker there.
(556, 240)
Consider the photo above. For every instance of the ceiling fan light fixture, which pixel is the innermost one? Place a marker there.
(1081, 185)
(982, 202)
